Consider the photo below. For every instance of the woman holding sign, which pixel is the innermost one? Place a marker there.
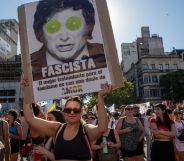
(72, 140)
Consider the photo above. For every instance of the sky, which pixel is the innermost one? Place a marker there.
(164, 17)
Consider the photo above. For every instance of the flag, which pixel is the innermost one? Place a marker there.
(94, 109)
(52, 107)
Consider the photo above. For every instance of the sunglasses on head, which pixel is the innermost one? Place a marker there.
(75, 110)
(129, 109)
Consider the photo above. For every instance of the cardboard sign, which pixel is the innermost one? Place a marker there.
(67, 48)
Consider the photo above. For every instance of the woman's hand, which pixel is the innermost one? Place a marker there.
(40, 150)
(110, 144)
(106, 89)
(128, 130)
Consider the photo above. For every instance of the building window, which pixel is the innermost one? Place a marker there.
(146, 93)
(161, 67)
(175, 66)
(145, 66)
(154, 79)
(167, 66)
(154, 93)
(147, 79)
(153, 66)
(10, 92)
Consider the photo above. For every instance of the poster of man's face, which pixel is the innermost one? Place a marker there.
(65, 39)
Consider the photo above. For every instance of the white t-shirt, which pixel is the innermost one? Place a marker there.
(179, 126)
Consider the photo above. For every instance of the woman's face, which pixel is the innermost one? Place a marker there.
(9, 118)
(51, 117)
(65, 34)
(129, 111)
(73, 112)
(178, 115)
(158, 111)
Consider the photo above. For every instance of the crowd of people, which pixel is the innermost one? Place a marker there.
(74, 134)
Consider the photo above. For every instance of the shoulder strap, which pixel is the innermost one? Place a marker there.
(86, 137)
(123, 120)
(58, 131)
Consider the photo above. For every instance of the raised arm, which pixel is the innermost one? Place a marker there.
(43, 127)
(95, 131)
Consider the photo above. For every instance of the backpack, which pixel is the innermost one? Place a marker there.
(2, 147)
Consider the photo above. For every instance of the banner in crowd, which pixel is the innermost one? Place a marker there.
(67, 48)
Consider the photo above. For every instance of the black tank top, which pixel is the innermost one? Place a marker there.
(75, 149)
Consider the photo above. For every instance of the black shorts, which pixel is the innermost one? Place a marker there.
(138, 151)
(14, 146)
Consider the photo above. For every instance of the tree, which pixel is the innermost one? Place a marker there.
(172, 86)
(124, 95)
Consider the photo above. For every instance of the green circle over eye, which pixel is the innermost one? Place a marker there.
(74, 23)
(52, 26)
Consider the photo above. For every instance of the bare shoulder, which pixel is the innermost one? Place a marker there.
(89, 126)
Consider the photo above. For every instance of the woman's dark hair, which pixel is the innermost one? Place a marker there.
(58, 115)
(36, 109)
(13, 113)
(47, 8)
(76, 99)
(166, 118)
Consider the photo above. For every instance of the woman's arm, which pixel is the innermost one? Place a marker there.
(43, 127)
(116, 145)
(171, 133)
(142, 130)
(96, 147)
(43, 151)
(155, 131)
(95, 131)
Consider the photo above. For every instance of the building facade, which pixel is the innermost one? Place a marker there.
(152, 63)
(10, 66)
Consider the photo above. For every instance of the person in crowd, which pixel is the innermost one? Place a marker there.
(5, 150)
(64, 28)
(85, 117)
(71, 139)
(131, 133)
(91, 120)
(163, 131)
(147, 129)
(35, 137)
(116, 117)
(170, 112)
(15, 132)
(136, 110)
(179, 145)
(47, 150)
(122, 107)
(112, 142)
(25, 127)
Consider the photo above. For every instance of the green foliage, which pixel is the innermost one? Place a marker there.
(172, 85)
(124, 95)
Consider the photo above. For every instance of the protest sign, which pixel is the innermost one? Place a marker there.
(67, 48)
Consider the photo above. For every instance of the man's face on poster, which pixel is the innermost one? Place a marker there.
(65, 34)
